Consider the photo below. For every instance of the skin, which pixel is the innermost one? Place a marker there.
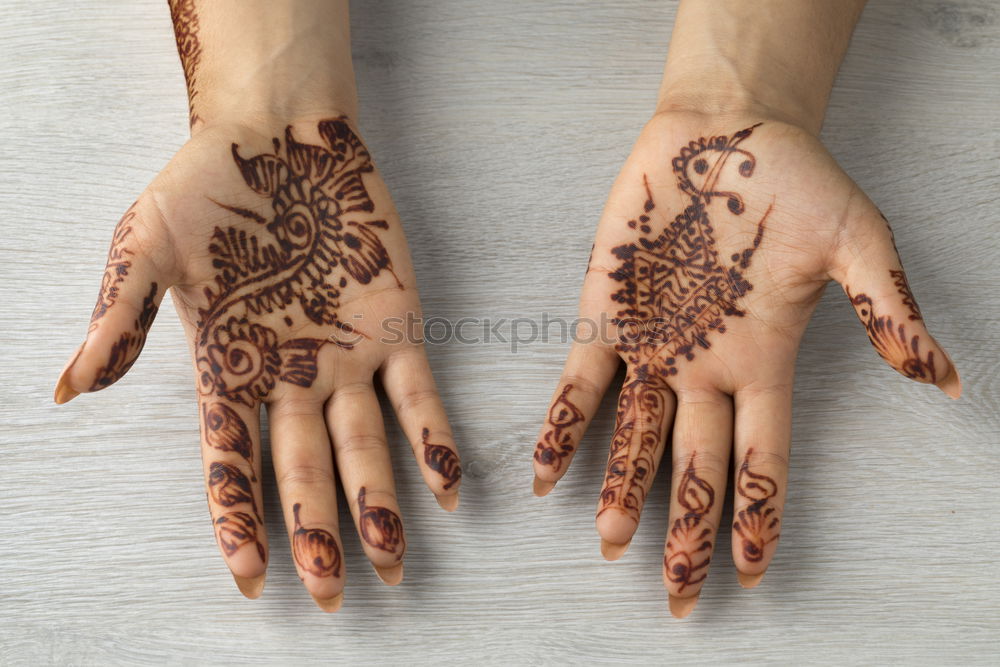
(727, 411)
(261, 70)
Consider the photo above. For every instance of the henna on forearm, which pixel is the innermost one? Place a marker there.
(186, 29)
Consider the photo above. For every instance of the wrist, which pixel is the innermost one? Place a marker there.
(724, 92)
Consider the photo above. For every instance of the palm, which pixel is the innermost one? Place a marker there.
(712, 253)
(287, 261)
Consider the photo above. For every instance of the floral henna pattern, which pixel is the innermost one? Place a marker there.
(557, 442)
(117, 267)
(226, 431)
(891, 341)
(676, 294)
(228, 486)
(441, 460)
(756, 525)
(639, 428)
(127, 348)
(185, 20)
(322, 235)
(380, 527)
(234, 530)
(689, 545)
(315, 549)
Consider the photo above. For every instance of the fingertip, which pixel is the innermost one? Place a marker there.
(951, 384)
(612, 551)
(330, 605)
(541, 487)
(682, 607)
(448, 503)
(251, 587)
(390, 576)
(749, 580)
(65, 392)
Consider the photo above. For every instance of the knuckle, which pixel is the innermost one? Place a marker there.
(361, 443)
(414, 397)
(305, 474)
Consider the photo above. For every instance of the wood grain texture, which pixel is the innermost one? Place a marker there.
(499, 127)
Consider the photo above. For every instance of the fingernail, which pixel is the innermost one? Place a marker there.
(542, 487)
(251, 587)
(330, 605)
(448, 503)
(390, 576)
(681, 607)
(64, 392)
(951, 384)
(749, 580)
(612, 551)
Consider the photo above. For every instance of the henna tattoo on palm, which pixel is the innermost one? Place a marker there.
(757, 525)
(676, 294)
(557, 442)
(441, 460)
(186, 27)
(380, 526)
(689, 546)
(315, 549)
(322, 235)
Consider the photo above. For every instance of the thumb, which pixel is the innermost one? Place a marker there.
(869, 269)
(131, 291)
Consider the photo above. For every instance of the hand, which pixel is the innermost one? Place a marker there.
(286, 258)
(717, 241)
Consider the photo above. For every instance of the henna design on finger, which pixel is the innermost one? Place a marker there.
(903, 287)
(640, 425)
(116, 268)
(380, 526)
(225, 430)
(125, 351)
(234, 530)
(228, 486)
(892, 343)
(557, 443)
(323, 234)
(315, 549)
(757, 525)
(186, 27)
(441, 460)
(689, 546)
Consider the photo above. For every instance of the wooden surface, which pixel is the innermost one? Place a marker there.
(499, 127)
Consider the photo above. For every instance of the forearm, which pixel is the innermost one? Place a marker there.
(257, 61)
(770, 57)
